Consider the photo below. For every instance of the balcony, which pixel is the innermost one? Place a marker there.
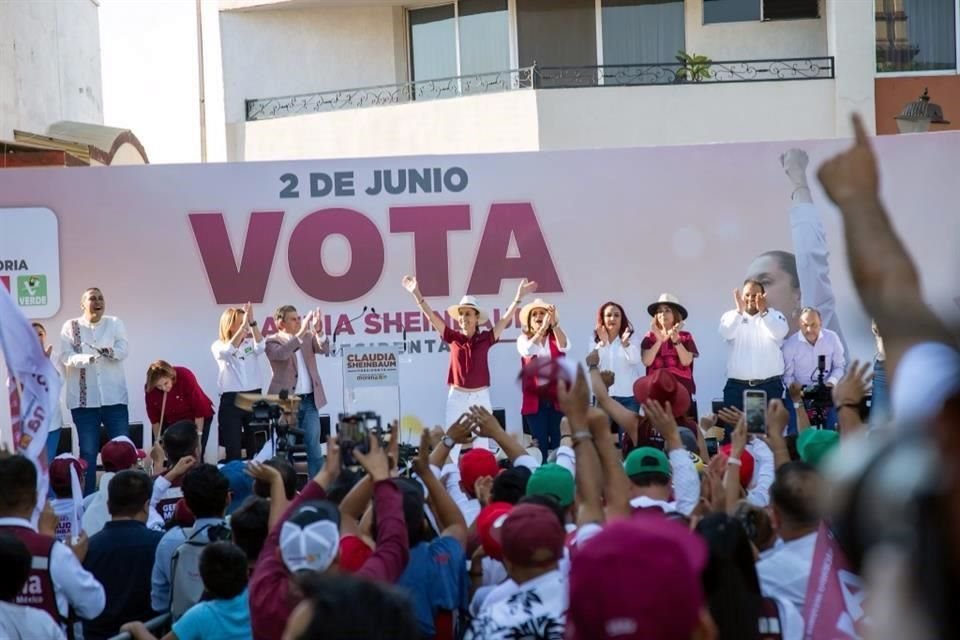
(540, 77)
(545, 108)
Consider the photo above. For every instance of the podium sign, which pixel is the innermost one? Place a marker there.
(371, 380)
(370, 366)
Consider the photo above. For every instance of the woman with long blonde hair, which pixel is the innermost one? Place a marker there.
(237, 351)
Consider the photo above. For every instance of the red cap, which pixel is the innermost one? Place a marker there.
(532, 536)
(489, 522)
(120, 454)
(661, 385)
(353, 553)
(635, 580)
(60, 471)
(476, 464)
(746, 465)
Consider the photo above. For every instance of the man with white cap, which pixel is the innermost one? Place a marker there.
(119, 454)
(468, 375)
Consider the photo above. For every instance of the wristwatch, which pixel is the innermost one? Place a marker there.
(448, 442)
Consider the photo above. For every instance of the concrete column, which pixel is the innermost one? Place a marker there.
(851, 40)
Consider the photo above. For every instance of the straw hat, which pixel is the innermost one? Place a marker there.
(527, 309)
(669, 299)
(471, 303)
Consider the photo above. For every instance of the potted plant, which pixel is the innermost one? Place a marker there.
(693, 67)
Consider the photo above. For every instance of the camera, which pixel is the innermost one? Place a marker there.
(819, 396)
(268, 416)
(353, 433)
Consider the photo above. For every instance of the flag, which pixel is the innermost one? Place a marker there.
(34, 387)
(833, 607)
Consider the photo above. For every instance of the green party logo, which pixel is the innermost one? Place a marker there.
(32, 290)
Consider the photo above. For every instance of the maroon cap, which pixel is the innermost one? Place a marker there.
(531, 536)
(120, 454)
(60, 471)
(637, 579)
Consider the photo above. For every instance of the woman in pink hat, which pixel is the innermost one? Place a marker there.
(666, 345)
(468, 375)
(541, 340)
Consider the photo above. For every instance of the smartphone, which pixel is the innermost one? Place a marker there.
(712, 446)
(755, 410)
(352, 433)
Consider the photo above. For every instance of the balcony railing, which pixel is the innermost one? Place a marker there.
(541, 77)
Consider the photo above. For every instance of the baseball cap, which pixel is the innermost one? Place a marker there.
(309, 540)
(475, 464)
(647, 460)
(746, 465)
(489, 522)
(552, 480)
(60, 471)
(665, 604)
(531, 536)
(120, 454)
(813, 445)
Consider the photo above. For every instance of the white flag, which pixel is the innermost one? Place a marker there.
(34, 387)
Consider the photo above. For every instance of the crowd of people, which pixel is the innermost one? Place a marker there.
(626, 515)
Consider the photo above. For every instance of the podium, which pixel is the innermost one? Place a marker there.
(371, 380)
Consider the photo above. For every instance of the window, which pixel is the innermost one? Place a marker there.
(478, 27)
(558, 33)
(640, 32)
(715, 11)
(916, 35)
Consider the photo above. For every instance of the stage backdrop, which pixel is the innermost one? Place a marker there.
(172, 246)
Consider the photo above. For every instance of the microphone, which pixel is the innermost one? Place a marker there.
(356, 317)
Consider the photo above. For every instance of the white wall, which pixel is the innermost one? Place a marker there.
(285, 52)
(49, 64)
(685, 114)
(477, 124)
(756, 40)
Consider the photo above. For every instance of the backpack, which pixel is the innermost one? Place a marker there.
(186, 586)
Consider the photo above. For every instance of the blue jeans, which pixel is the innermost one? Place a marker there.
(880, 407)
(308, 419)
(53, 443)
(733, 397)
(88, 420)
(545, 427)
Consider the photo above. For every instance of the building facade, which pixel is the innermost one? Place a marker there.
(325, 78)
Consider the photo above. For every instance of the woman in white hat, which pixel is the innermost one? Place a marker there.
(666, 345)
(541, 339)
(468, 375)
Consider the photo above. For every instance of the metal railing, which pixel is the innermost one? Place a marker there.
(158, 626)
(543, 77)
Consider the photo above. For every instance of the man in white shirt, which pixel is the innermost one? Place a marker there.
(802, 354)
(57, 582)
(784, 573)
(92, 350)
(754, 333)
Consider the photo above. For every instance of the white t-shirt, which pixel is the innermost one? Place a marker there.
(27, 623)
(238, 367)
(785, 572)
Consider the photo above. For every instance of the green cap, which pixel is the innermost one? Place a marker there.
(647, 460)
(813, 445)
(554, 481)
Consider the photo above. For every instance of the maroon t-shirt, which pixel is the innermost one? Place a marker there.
(468, 358)
(667, 358)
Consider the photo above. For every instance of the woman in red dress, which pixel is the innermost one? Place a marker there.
(666, 345)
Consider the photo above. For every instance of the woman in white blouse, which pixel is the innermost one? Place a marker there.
(612, 339)
(542, 341)
(236, 353)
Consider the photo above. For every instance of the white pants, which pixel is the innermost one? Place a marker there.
(459, 403)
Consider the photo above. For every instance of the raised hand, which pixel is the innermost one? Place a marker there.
(183, 465)
(658, 332)
(410, 284)
(421, 464)
(575, 400)
(762, 302)
(796, 391)
(853, 385)
(662, 419)
(738, 439)
(317, 322)
(305, 325)
(526, 286)
(730, 415)
(627, 334)
(393, 447)
(593, 359)
(602, 335)
(851, 177)
(485, 423)
(483, 489)
(554, 317)
(375, 462)
(48, 350)
(263, 472)
(777, 420)
(332, 463)
(462, 430)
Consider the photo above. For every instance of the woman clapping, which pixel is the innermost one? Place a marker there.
(617, 353)
(666, 345)
(542, 340)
